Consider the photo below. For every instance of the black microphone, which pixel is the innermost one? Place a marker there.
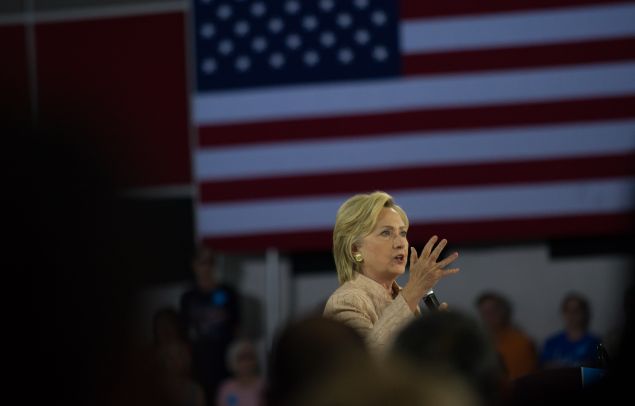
(431, 301)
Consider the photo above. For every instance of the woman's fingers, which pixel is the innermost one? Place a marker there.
(428, 271)
(450, 271)
(428, 247)
(437, 251)
(447, 261)
(430, 257)
(413, 256)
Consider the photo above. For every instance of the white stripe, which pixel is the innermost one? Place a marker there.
(518, 28)
(389, 95)
(415, 149)
(430, 206)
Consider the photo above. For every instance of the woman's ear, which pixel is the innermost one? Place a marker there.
(358, 257)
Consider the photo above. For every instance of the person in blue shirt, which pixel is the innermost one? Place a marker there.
(210, 314)
(575, 346)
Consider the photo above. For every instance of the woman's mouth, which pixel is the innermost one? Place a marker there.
(400, 259)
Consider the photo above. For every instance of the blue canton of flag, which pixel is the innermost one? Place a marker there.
(260, 43)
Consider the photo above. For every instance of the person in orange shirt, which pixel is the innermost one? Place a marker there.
(516, 349)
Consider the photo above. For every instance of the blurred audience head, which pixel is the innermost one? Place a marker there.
(176, 359)
(355, 219)
(495, 310)
(204, 267)
(242, 359)
(391, 382)
(576, 311)
(454, 342)
(308, 351)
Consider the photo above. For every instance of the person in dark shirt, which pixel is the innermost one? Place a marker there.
(211, 317)
(574, 346)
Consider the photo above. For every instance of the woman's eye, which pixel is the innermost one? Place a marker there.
(385, 232)
(403, 234)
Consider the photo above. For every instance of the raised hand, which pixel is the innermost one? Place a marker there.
(425, 271)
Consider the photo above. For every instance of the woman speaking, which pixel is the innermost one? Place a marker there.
(370, 248)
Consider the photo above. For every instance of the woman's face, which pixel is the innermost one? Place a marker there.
(385, 249)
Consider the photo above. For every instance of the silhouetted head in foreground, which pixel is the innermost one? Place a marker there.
(308, 351)
(451, 341)
(321, 362)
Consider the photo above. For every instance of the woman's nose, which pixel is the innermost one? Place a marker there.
(399, 242)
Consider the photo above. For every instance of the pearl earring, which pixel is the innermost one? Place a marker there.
(358, 257)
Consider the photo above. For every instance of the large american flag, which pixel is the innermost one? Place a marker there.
(486, 120)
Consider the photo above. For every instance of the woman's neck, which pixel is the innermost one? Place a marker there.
(386, 283)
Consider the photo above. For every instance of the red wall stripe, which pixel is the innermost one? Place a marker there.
(15, 99)
(125, 80)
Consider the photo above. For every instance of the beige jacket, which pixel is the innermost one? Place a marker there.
(366, 306)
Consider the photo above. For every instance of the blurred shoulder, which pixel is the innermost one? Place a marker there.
(518, 336)
(555, 338)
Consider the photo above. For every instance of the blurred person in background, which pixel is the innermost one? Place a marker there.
(574, 346)
(210, 317)
(457, 344)
(569, 360)
(175, 361)
(174, 357)
(245, 387)
(515, 347)
(370, 248)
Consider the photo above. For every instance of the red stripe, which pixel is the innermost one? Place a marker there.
(417, 120)
(421, 178)
(465, 232)
(411, 9)
(15, 98)
(520, 57)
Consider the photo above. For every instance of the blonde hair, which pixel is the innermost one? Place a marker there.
(355, 219)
